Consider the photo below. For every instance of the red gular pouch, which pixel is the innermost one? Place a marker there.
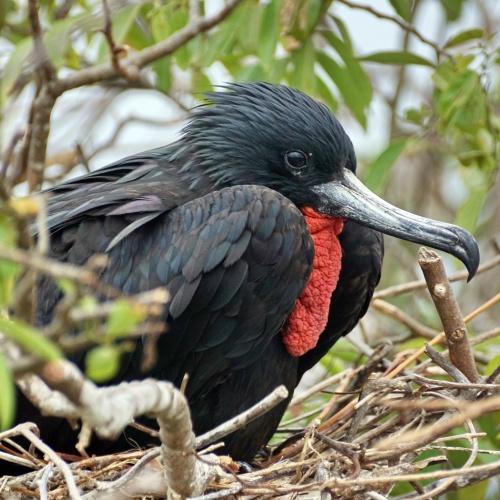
(310, 314)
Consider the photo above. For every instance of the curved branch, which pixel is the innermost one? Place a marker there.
(136, 61)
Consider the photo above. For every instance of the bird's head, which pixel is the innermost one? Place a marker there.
(272, 135)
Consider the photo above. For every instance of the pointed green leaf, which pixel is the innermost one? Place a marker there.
(403, 8)
(8, 269)
(269, 33)
(14, 66)
(468, 213)
(397, 57)
(162, 69)
(377, 173)
(355, 101)
(303, 76)
(344, 32)
(7, 395)
(248, 14)
(200, 83)
(30, 339)
(251, 73)
(220, 43)
(464, 36)
(325, 95)
(357, 74)
(452, 8)
(122, 21)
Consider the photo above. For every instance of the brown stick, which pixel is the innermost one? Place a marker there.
(449, 312)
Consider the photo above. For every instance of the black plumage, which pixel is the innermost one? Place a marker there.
(215, 217)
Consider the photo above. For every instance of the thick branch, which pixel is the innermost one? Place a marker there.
(451, 317)
(109, 410)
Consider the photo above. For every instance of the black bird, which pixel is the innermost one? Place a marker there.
(268, 243)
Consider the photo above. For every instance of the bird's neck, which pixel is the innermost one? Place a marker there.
(310, 314)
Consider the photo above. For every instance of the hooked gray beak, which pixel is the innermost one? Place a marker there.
(349, 198)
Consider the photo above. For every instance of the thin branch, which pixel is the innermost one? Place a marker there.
(395, 446)
(402, 24)
(320, 386)
(116, 52)
(422, 284)
(448, 367)
(148, 55)
(397, 314)
(42, 484)
(55, 269)
(55, 458)
(453, 385)
(42, 58)
(441, 337)
(277, 396)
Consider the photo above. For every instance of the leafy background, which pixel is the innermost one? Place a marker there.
(415, 83)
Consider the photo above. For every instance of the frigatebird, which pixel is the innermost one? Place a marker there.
(268, 243)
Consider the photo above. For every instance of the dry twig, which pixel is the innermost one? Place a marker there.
(449, 312)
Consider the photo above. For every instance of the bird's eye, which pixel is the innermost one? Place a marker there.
(296, 160)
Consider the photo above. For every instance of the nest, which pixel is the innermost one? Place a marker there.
(357, 434)
(381, 427)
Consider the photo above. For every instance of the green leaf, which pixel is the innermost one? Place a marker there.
(162, 69)
(397, 57)
(325, 94)
(123, 319)
(248, 14)
(251, 73)
(403, 8)
(269, 33)
(14, 66)
(377, 174)
(452, 8)
(344, 32)
(9, 270)
(219, 44)
(7, 395)
(310, 15)
(464, 36)
(102, 362)
(200, 83)
(67, 286)
(168, 19)
(356, 102)
(356, 72)
(123, 21)
(302, 76)
(468, 213)
(30, 339)
(492, 365)
(58, 38)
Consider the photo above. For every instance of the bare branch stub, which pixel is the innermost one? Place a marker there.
(446, 304)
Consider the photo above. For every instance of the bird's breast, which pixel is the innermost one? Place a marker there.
(310, 314)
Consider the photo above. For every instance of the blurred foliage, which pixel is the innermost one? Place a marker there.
(306, 44)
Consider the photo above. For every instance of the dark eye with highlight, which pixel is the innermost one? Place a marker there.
(296, 160)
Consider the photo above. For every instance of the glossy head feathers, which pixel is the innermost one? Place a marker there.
(258, 133)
